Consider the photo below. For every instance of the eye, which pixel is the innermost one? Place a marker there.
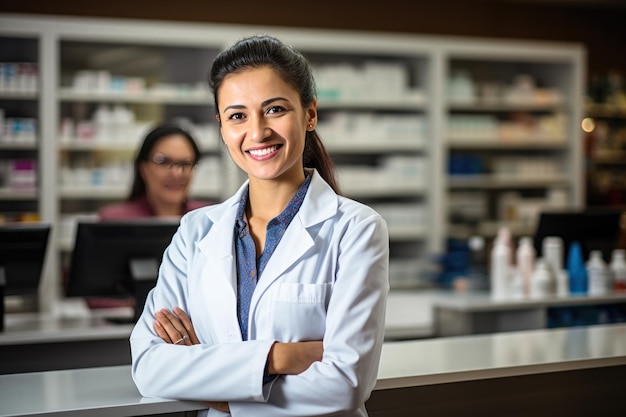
(275, 109)
(236, 116)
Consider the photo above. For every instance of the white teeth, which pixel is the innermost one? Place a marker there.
(263, 152)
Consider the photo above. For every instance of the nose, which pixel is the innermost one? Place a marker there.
(177, 170)
(259, 129)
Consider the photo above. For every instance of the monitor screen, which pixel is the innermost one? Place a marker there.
(22, 254)
(118, 259)
(594, 229)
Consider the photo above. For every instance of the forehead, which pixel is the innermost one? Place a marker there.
(253, 84)
(173, 145)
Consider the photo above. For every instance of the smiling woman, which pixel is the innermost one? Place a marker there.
(163, 172)
(271, 303)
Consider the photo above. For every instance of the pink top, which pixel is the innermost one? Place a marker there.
(140, 208)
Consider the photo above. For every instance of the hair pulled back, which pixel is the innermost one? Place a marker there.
(294, 69)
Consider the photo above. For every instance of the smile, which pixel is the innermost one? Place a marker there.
(264, 151)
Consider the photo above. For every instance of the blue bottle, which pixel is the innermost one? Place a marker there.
(576, 270)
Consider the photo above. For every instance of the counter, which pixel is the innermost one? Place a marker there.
(572, 371)
(79, 338)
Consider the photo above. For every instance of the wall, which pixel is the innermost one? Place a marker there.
(598, 25)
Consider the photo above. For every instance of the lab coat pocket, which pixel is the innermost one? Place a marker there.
(300, 311)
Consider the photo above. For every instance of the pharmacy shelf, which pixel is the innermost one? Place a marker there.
(400, 105)
(512, 128)
(489, 182)
(10, 194)
(504, 107)
(369, 147)
(69, 45)
(202, 99)
(18, 146)
(18, 95)
(526, 145)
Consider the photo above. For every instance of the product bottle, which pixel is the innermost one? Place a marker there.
(543, 282)
(598, 273)
(576, 270)
(525, 260)
(552, 252)
(618, 269)
(478, 262)
(500, 262)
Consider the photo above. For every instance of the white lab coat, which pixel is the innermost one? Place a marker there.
(327, 280)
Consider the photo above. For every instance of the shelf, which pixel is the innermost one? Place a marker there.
(408, 104)
(404, 233)
(609, 157)
(93, 192)
(18, 146)
(493, 182)
(194, 99)
(605, 111)
(15, 95)
(96, 145)
(389, 190)
(90, 145)
(367, 147)
(543, 144)
(13, 194)
(504, 107)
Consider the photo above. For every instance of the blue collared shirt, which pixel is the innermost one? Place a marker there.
(249, 267)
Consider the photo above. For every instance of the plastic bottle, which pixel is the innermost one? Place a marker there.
(552, 252)
(478, 262)
(525, 260)
(576, 270)
(500, 263)
(598, 273)
(543, 282)
(618, 269)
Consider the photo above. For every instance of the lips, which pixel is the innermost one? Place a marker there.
(174, 187)
(263, 152)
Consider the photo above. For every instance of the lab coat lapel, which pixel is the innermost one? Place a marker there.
(319, 204)
(217, 272)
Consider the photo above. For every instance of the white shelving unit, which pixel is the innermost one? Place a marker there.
(385, 114)
(19, 114)
(513, 140)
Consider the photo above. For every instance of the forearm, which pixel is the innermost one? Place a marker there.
(293, 358)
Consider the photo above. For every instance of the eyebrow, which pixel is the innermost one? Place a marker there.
(263, 104)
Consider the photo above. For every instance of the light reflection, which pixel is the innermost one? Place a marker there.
(588, 124)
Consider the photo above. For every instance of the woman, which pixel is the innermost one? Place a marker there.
(163, 172)
(271, 303)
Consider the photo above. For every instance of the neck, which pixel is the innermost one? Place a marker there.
(165, 209)
(267, 199)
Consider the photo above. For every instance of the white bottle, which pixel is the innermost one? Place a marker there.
(543, 283)
(500, 265)
(598, 273)
(525, 260)
(552, 252)
(618, 269)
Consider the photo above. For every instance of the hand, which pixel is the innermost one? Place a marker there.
(175, 328)
(294, 358)
(218, 405)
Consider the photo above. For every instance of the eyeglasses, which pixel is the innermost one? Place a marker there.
(164, 162)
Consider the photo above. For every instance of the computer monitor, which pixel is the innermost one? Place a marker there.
(594, 229)
(22, 255)
(118, 259)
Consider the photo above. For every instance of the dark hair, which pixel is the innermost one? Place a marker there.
(151, 139)
(294, 69)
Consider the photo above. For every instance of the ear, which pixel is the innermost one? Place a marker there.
(312, 116)
(142, 170)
